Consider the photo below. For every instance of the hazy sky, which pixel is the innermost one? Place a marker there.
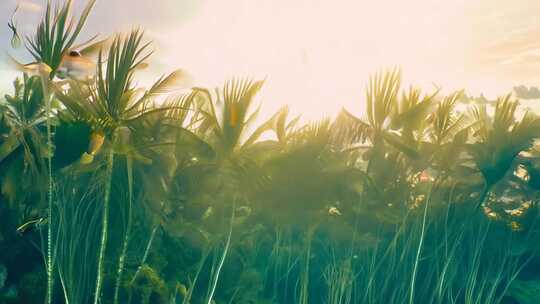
(317, 55)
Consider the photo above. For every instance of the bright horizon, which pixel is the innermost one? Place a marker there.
(318, 55)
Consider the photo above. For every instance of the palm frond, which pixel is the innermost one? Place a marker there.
(57, 33)
(399, 143)
(24, 116)
(445, 123)
(275, 123)
(115, 83)
(91, 48)
(505, 111)
(176, 80)
(381, 97)
(413, 110)
(500, 140)
(349, 129)
(235, 116)
(206, 109)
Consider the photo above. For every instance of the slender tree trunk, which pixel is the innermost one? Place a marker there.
(483, 196)
(105, 224)
(145, 256)
(223, 256)
(204, 255)
(127, 236)
(50, 273)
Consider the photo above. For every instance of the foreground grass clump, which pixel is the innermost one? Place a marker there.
(114, 193)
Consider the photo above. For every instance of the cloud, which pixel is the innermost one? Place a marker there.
(480, 100)
(523, 92)
(318, 54)
(516, 47)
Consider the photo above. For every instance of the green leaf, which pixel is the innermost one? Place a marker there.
(8, 146)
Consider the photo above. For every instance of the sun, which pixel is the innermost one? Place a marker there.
(317, 55)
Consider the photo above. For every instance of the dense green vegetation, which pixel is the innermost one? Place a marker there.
(113, 193)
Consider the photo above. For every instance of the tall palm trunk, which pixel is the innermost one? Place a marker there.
(105, 223)
(44, 77)
(127, 236)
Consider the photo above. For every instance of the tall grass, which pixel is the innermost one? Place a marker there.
(76, 230)
(215, 279)
(420, 246)
(303, 280)
(339, 279)
(425, 262)
(339, 274)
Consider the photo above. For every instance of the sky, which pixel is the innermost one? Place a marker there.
(317, 56)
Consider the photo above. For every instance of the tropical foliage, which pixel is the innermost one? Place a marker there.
(115, 193)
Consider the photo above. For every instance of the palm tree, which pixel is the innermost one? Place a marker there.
(115, 109)
(399, 122)
(447, 160)
(223, 173)
(499, 140)
(54, 37)
(228, 162)
(447, 134)
(396, 129)
(23, 145)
